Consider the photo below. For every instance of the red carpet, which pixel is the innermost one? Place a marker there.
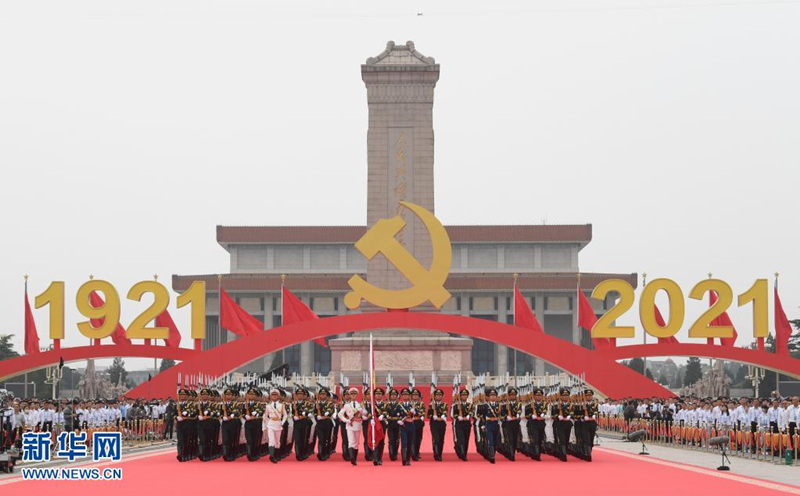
(609, 473)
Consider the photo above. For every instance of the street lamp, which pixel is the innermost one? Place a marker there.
(756, 375)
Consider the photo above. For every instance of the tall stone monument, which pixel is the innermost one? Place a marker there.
(400, 83)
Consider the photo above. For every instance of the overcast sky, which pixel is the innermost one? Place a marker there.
(129, 130)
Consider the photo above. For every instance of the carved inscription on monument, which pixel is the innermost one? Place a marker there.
(401, 178)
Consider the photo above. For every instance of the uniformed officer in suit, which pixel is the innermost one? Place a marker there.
(405, 411)
(511, 410)
(437, 415)
(253, 415)
(419, 423)
(561, 412)
(536, 412)
(231, 424)
(392, 427)
(187, 415)
(585, 414)
(489, 414)
(326, 413)
(461, 412)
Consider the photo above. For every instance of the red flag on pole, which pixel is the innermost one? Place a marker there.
(294, 310)
(234, 318)
(523, 315)
(118, 336)
(783, 329)
(587, 319)
(723, 320)
(661, 323)
(375, 432)
(31, 334)
(165, 320)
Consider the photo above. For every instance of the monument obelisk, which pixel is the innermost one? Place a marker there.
(400, 84)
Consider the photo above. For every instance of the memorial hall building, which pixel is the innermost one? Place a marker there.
(318, 260)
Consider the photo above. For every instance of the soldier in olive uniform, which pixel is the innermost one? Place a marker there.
(437, 415)
(461, 413)
(510, 412)
(489, 415)
(217, 416)
(405, 412)
(186, 418)
(326, 413)
(535, 412)
(365, 425)
(302, 414)
(561, 412)
(392, 427)
(419, 423)
(380, 416)
(585, 414)
(231, 424)
(253, 415)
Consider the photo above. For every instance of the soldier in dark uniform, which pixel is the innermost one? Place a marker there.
(365, 425)
(325, 411)
(303, 411)
(187, 412)
(231, 424)
(535, 412)
(405, 412)
(561, 412)
(254, 416)
(510, 412)
(380, 416)
(437, 415)
(489, 414)
(419, 423)
(461, 413)
(217, 416)
(392, 428)
(585, 414)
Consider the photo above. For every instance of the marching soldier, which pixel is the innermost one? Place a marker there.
(352, 414)
(585, 414)
(231, 424)
(303, 412)
(326, 412)
(536, 412)
(419, 422)
(405, 413)
(489, 415)
(380, 416)
(392, 425)
(275, 415)
(216, 414)
(561, 412)
(461, 413)
(253, 415)
(510, 412)
(365, 425)
(284, 448)
(187, 415)
(437, 414)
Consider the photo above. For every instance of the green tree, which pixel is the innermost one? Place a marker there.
(165, 364)
(636, 364)
(662, 379)
(693, 371)
(117, 373)
(649, 374)
(6, 347)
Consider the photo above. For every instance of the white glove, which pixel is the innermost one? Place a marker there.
(296, 418)
(320, 417)
(560, 417)
(381, 418)
(399, 422)
(435, 417)
(460, 418)
(180, 418)
(508, 417)
(326, 414)
(200, 417)
(224, 417)
(372, 422)
(309, 414)
(247, 417)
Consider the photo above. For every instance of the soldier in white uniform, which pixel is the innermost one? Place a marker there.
(274, 417)
(351, 414)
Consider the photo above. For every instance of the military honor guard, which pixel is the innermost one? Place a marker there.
(585, 415)
(253, 419)
(231, 424)
(352, 414)
(489, 415)
(380, 416)
(510, 413)
(405, 413)
(393, 423)
(187, 425)
(326, 421)
(437, 416)
(536, 412)
(303, 413)
(419, 423)
(275, 415)
(461, 412)
(561, 412)
(205, 425)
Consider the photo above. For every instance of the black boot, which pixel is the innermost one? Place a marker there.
(353, 456)
(272, 456)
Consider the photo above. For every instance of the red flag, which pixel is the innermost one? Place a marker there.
(165, 320)
(661, 323)
(523, 315)
(783, 329)
(587, 319)
(294, 310)
(234, 318)
(723, 320)
(31, 334)
(118, 336)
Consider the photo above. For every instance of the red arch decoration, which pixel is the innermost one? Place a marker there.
(602, 373)
(27, 363)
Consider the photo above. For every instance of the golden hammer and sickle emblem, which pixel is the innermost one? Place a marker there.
(427, 284)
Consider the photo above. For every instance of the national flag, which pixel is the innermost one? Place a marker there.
(165, 320)
(31, 334)
(661, 323)
(294, 310)
(587, 319)
(234, 318)
(118, 336)
(783, 329)
(523, 315)
(375, 433)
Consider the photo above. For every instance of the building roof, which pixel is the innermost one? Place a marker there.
(227, 235)
(557, 281)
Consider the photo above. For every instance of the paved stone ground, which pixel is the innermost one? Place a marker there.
(741, 466)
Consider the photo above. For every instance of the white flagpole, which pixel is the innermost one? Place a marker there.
(372, 388)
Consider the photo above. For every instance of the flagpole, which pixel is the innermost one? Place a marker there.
(26, 374)
(514, 310)
(372, 390)
(283, 283)
(578, 312)
(777, 375)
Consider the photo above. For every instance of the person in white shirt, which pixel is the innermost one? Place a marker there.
(773, 414)
(792, 419)
(275, 415)
(352, 413)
